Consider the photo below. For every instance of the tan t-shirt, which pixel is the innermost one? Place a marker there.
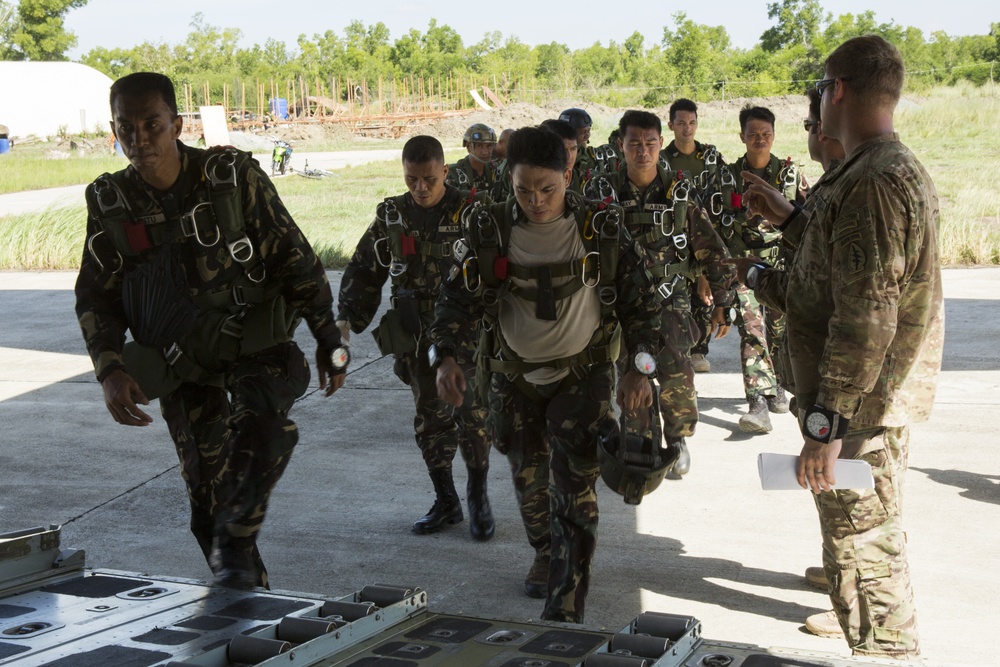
(577, 316)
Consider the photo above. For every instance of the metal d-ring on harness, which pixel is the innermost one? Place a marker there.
(219, 170)
(394, 230)
(105, 188)
(788, 176)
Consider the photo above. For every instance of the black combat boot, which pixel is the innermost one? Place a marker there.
(756, 420)
(233, 565)
(778, 403)
(481, 524)
(683, 463)
(536, 585)
(447, 507)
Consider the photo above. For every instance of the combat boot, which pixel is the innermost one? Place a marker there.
(825, 625)
(232, 566)
(756, 420)
(683, 464)
(447, 507)
(537, 583)
(700, 363)
(778, 404)
(816, 577)
(481, 524)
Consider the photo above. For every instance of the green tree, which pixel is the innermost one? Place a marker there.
(699, 54)
(799, 23)
(35, 30)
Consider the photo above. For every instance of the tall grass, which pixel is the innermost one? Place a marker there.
(24, 170)
(952, 131)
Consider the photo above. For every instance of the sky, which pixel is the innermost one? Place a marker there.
(578, 23)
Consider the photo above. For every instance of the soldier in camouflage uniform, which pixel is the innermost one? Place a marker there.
(607, 157)
(586, 161)
(476, 171)
(558, 281)
(193, 252)
(702, 163)
(663, 214)
(411, 241)
(760, 330)
(865, 312)
(569, 137)
(500, 150)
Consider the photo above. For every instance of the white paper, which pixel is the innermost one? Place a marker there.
(777, 473)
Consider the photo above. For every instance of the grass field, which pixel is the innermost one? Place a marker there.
(952, 131)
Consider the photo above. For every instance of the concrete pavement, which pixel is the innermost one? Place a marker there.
(712, 545)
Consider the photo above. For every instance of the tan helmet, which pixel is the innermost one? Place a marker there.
(479, 132)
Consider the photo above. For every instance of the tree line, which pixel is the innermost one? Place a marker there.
(691, 59)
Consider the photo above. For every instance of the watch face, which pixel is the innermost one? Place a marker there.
(752, 275)
(818, 426)
(432, 355)
(645, 363)
(339, 357)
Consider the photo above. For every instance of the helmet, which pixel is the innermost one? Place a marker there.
(632, 465)
(479, 132)
(576, 117)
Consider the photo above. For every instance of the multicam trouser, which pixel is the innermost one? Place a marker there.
(552, 448)
(233, 448)
(755, 355)
(439, 428)
(674, 374)
(864, 549)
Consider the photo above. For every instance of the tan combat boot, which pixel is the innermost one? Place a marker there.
(816, 577)
(700, 363)
(756, 420)
(825, 625)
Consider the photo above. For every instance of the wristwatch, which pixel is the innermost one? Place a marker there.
(436, 354)
(339, 358)
(753, 274)
(823, 425)
(643, 361)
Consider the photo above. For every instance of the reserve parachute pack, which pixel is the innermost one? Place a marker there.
(399, 329)
(488, 267)
(178, 337)
(729, 210)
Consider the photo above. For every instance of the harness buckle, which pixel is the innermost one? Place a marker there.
(241, 250)
(715, 203)
(226, 161)
(659, 218)
(711, 156)
(583, 270)
(100, 264)
(609, 219)
(666, 288)
(491, 297)
(728, 180)
(104, 187)
(789, 176)
(232, 327)
(189, 226)
(607, 295)
(459, 249)
(238, 298)
(173, 354)
(397, 269)
(681, 190)
(604, 189)
(680, 241)
(392, 214)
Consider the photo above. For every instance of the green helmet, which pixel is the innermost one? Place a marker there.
(632, 465)
(479, 132)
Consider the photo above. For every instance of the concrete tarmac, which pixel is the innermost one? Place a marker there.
(712, 545)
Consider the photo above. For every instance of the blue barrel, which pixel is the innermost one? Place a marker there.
(279, 107)
(4, 145)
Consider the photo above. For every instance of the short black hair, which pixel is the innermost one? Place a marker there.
(537, 147)
(750, 112)
(814, 102)
(644, 120)
(683, 104)
(423, 148)
(138, 84)
(560, 127)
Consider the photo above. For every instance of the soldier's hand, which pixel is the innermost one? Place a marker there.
(635, 395)
(815, 467)
(762, 198)
(705, 291)
(741, 264)
(330, 378)
(718, 324)
(451, 382)
(121, 394)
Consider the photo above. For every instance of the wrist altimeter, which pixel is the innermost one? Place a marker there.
(823, 425)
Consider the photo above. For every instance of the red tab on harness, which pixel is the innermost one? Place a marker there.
(408, 245)
(736, 200)
(500, 268)
(138, 239)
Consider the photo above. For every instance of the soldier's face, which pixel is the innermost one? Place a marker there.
(500, 150)
(540, 192)
(572, 148)
(425, 181)
(684, 125)
(147, 131)
(583, 136)
(481, 150)
(758, 137)
(641, 147)
(813, 141)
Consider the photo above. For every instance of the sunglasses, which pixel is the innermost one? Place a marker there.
(823, 84)
(809, 125)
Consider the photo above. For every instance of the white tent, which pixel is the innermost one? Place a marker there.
(40, 97)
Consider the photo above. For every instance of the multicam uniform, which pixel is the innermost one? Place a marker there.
(462, 175)
(703, 165)
(761, 330)
(413, 246)
(680, 244)
(865, 335)
(242, 281)
(544, 412)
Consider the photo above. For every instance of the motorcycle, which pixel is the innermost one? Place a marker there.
(280, 156)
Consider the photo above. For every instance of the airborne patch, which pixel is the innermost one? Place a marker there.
(857, 259)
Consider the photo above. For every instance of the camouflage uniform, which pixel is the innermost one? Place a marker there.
(703, 166)
(439, 428)
(761, 329)
(462, 175)
(675, 259)
(548, 432)
(232, 448)
(865, 335)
